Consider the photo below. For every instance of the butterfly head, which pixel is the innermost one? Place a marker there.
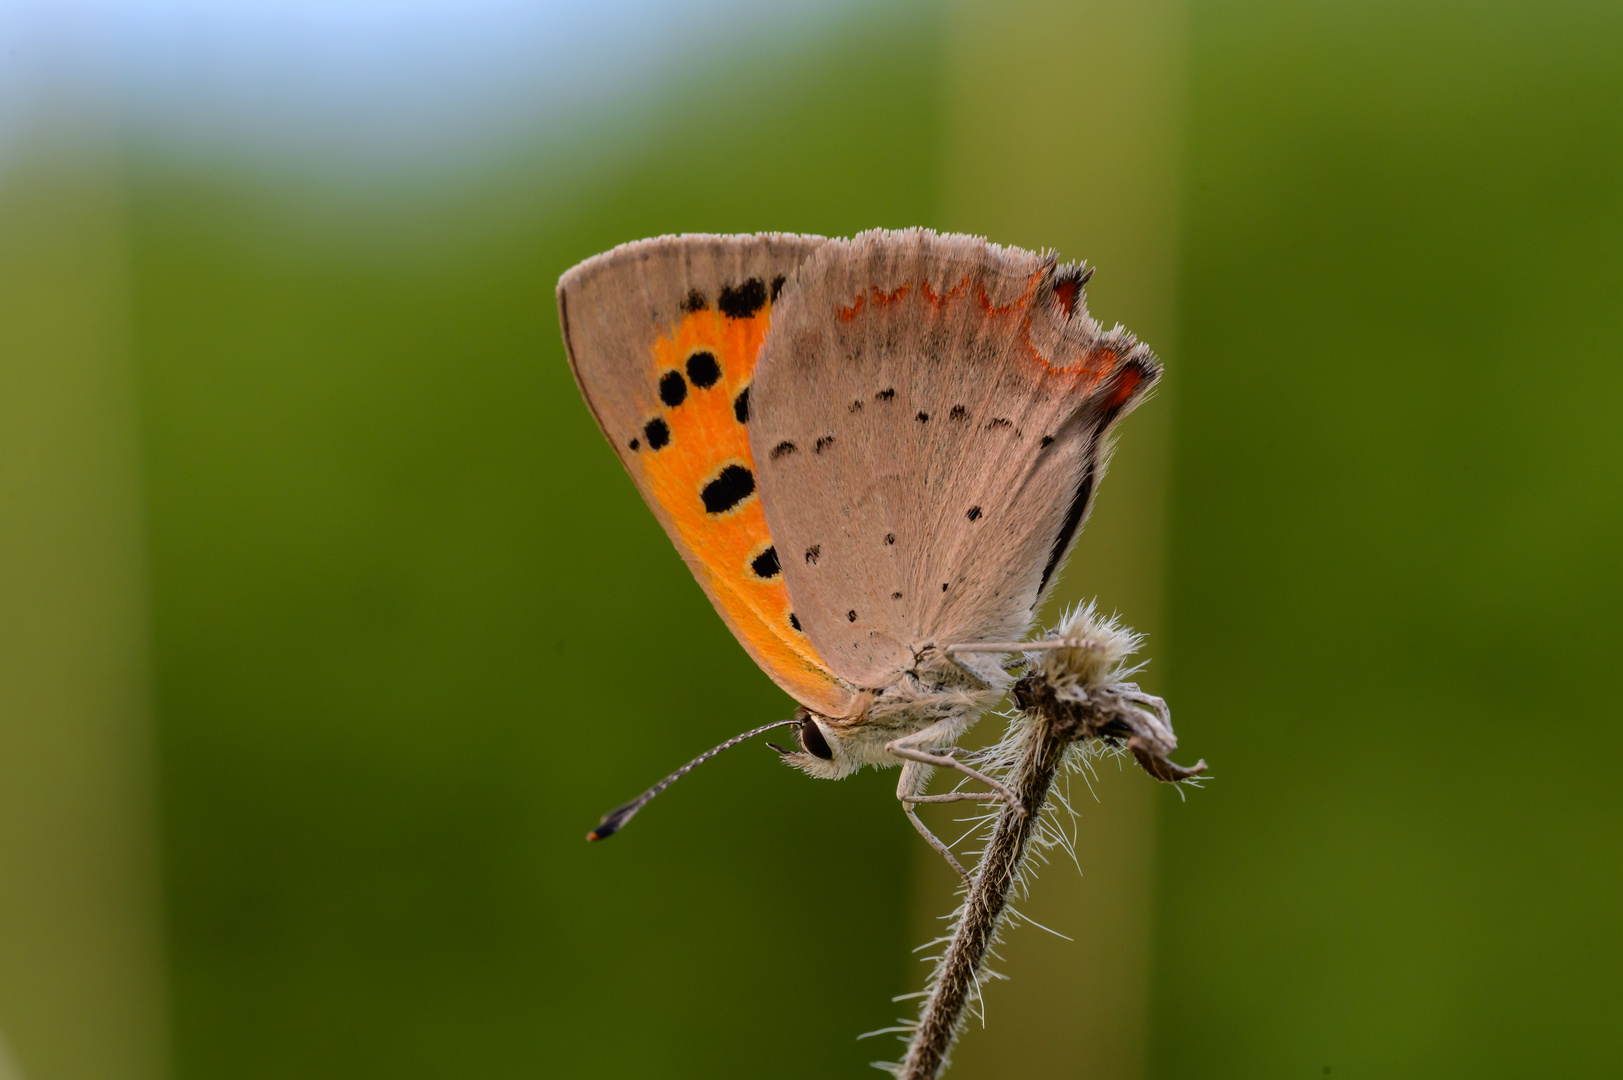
(825, 751)
(831, 749)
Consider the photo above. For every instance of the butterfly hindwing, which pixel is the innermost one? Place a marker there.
(664, 336)
(930, 420)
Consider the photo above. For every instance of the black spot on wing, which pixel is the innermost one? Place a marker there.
(850, 616)
(855, 406)
(974, 513)
(813, 553)
(890, 538)
(777, 287)
(658, 434)
(778, 451)
(923, 418)
(895, 596)
(703, 369)
(885, 395)
(794, 622)
(1048, 440)
(742, 301)
(695, 301)
(673, 389)
(765, 565)
(635, 444)
(958, 413)
(731, 486)
(823, 444)
(741, 406)
(998, 422)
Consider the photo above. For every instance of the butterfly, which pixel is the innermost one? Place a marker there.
(873, 453)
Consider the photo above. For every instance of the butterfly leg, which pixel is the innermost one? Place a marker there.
(907, 748)
(978, 678)
(914, 777)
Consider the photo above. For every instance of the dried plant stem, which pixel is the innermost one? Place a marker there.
(1042, 753)
(1076, 693)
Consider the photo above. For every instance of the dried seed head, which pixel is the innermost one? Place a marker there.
(1102, 645)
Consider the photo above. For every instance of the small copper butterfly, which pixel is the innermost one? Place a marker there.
(869, 451)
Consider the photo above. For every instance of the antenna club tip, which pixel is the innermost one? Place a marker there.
(615, 819)
(605, 829)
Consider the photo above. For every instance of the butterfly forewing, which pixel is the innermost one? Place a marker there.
(664, 337)
(929, 423)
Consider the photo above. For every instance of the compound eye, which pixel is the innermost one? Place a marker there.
(810, 738)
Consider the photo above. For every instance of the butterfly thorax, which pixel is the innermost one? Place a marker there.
(936, 692)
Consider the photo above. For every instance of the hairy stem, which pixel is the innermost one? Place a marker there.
(1076, 693)
(1041, 753)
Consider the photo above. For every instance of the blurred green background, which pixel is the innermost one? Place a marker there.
(328, 624)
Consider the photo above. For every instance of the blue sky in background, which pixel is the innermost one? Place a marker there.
(364, 82)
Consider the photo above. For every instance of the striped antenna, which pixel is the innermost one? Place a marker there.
(615, 819)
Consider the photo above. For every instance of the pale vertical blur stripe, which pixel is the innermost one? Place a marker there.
(8, 1068)
(1063, 130)
(81, 987)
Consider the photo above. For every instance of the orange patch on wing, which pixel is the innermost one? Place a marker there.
(1065, 292)
(726, 529)
(1124, 389)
